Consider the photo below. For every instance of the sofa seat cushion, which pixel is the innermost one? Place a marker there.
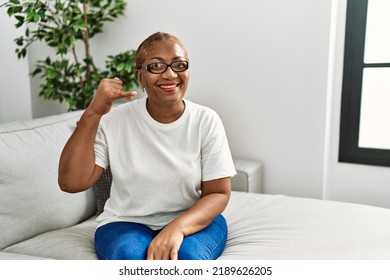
(12, 256)
(73, 243)
(278, 227)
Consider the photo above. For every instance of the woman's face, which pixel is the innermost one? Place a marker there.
(168, 87)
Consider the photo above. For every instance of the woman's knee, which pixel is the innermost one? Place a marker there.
(123, 241)
(207, 244)
(136, 251)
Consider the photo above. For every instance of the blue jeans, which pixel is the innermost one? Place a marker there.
(130, 241)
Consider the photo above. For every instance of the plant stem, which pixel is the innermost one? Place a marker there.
(86, 42)
(82, 86)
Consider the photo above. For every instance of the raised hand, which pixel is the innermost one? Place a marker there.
(108, 91)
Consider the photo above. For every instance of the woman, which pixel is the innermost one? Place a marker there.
(169, 158)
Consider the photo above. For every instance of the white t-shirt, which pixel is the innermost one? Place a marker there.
(157, 168)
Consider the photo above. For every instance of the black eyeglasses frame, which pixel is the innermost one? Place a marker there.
(148, 67)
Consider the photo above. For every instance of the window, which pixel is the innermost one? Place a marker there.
(365, 104)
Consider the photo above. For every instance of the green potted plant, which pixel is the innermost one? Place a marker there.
(61, 24)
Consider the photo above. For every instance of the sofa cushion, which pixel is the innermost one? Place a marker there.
(73, 243)
(31, 201)
(12, 256)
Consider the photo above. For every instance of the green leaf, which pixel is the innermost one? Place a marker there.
(19, 41)
(79, 26)
(30, 16)
(121, 66)
(21, 53)
(59, 6)
(20, 21)
(11, 11)
(37, 18)
(128, 67)
(36, 71)
(19, 18)
(70, 40)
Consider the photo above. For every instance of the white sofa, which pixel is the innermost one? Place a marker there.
(39, 221)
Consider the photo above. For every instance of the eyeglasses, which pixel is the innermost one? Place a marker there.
(160, 67)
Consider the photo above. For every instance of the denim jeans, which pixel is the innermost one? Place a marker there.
(130, 241)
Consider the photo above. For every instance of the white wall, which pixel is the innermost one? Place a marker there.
(263, 66)
(15, 97)
(344, 181)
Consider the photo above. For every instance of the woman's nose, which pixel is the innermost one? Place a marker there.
(169, 73)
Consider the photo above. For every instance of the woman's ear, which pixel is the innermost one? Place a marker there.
(138, 76)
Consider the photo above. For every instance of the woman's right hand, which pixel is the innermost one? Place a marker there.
(108, 91)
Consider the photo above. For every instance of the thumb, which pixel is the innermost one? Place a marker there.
(128, 95)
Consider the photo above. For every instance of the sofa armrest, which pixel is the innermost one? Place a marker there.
(249, 176)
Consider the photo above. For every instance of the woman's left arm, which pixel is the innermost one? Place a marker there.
(215, 196)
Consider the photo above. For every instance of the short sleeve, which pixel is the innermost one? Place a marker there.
(217, 161)
(101, 150)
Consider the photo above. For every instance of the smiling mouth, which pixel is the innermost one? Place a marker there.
(168, 87)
